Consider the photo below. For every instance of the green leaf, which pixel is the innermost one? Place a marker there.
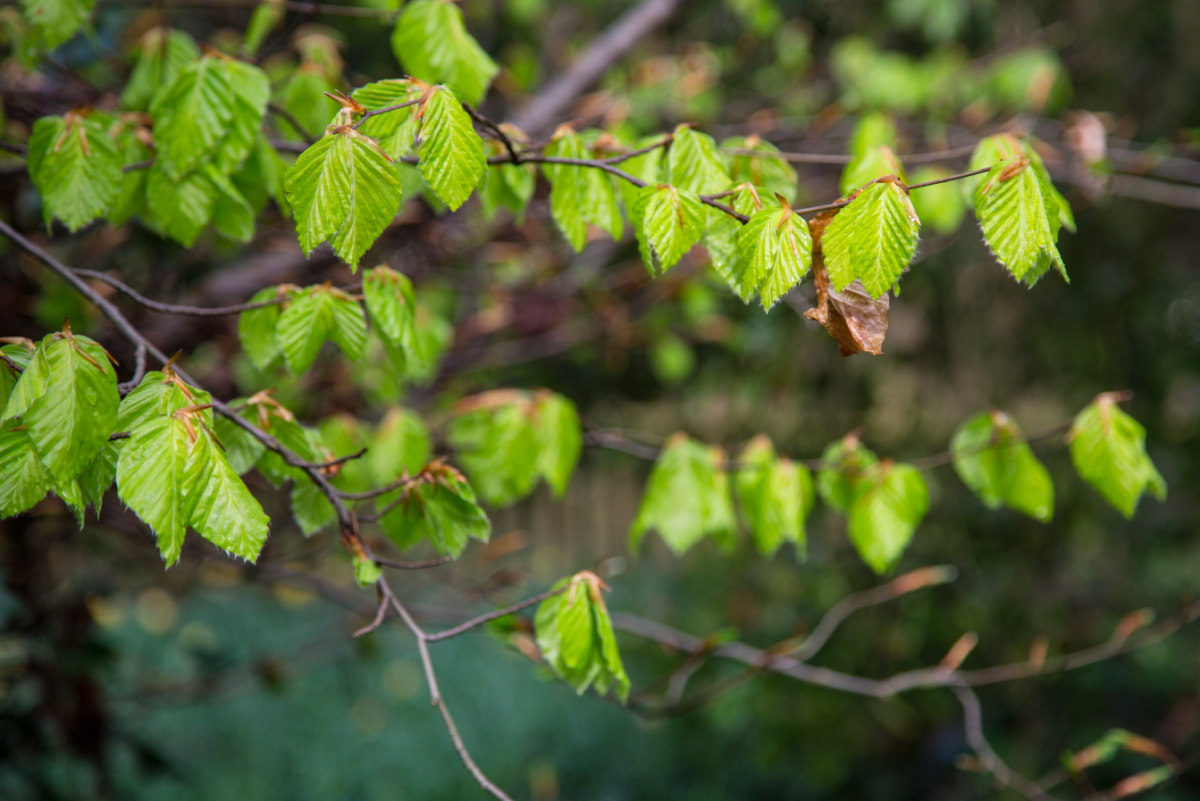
(391, 303)
(696, 163)
(303, 96)
(992, 457)
(269, 416)
(151, 477)
(97, 476)
(344, 189)
(29, 387)
(568, 187)
(76, 168)
(399, 445)
(395, 131)
(432, 44)
(160, 394)
(432, 334)
(846, 462)
(56, 21)
(686, 497)
(316, 314)
(256, 327)
(310, 507)
(649, 167)
(872, 163)
(71, 421)
(874, 129)
(497, 447)
(940, 206)
(366, 572)
(891, 500)
(777, 249)
(217, 503)
(164, 52)
(558, 439)
(451, 153)
(721, 240)
(767, 172)
(668, 222)
(181, 208)
(242, 450)
(251, 90)
(1108, 448)
(131, 197)
(509, 186)
(872, 239)
(776, 496)
(232, 215)
(193, 115)
(1019, 221)
(575, 636)
(23, 479)
(442, 509)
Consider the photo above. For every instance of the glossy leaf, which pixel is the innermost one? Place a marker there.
(395, 131)
(452, 161)
(391, 303)
(696, 164)
(433, 44)
(23, 479)
(668, 222)
(1019, 220)
(873, 239)
(315, 315)
(218, 504)
(777, 250)
(151, 473)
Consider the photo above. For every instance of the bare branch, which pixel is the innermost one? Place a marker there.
(499, 613)
(168, 308)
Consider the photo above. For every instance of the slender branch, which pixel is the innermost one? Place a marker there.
(435, 695)
(641, 151)
(499, 613)
(290, 5)
(948, 178)
(973, 723)
(341, 459)
(375, 112)
(837, 158)
(403, 481)
(138, 372)
(499, 132)
(168, 308)
(379, 560)
(290, 119)
(377, 621)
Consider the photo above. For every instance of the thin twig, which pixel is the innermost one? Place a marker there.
(169, 308)
(499, 613)
(377, 621)
(375, 112)
(139, 362)
(441, 560)
(504, 138)
(973, 723)
(290, 119)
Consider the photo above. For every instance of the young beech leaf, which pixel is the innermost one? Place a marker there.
(575, 636)
(432, 334)
(874, 162)
(558, 438)
(242, 450)
(395, 131)
(777, 249)
(852, 317)
(686, 498)
(72, 419)
(344, 189)
(696, 163)
(941, 206)
(314, 315)
(23, 479)
(218, 504)
(132, 138)
(76, 168)
(992, 457)
(874, 129)
(452, 161)
(266, 17)
(256, 327)
(600, 205)
(29, 387)
(55, 21)
(668, 222)
(179, 208)
(769, 173)
(399, 445)
(391, 303)
(97, 476)
(1019, 220)
(509, 186)
(433, 44)
(845, 463)
(649, 167)
(272, 417)
(776, 496)
(721, 240)
(310, 508)
(497, 445)
(568, 186)
(193, 115)
(1108, 448)
(158, 395)
(873, 239)
(441, 508)
(151, 472)
(890, 502)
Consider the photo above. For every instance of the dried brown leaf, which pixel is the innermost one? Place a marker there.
(852, 317)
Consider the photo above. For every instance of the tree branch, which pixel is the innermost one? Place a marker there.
(499, 613)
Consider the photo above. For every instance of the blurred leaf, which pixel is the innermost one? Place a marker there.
(164, 52)
(256, 328)
(846, 462)
(575, 636)
(497, 447)
(315, 315)
(442, 509)
(776, 496)
(993, 459)
(771, 175)
(76, 168)
(56, 21)
(940, 206)
(1108, 448)
(558, 438)
(874, 162)
(890, 502)
(433, 44)
(400, 444)
(686, 497)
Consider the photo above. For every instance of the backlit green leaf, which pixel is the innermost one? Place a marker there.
(686, 497)
(992, 457)
(442, 510)
(872, 239)
(76, 168)
(23, 479)
(452, 161)
(316, 314)
(575, 637)
(256, 327)
(1019, 220)
(558, 439)
(193, 115)
(890, 502)
(771, 175)
(668, 222)
(696, 163)
(497, 448)
(940, 206)
(390, 302)
(217, 503)
(776, 496)
(400, 444)
(151, 477)
(777, 249)
(56, 21)
(433, 44)
(845, 463)
(164, 52)
(1108, 448)
(874, 162)
(395, 131)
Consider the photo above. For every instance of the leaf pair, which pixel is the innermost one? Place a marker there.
(299, 326)
(507, 440)
(686, 497)
(580, 195)
(884, 501)
(575, 635)
(438, 506)
(776, 496)
(56, 420)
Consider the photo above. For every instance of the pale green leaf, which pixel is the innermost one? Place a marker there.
(181, 208)
(874, 129)
(1017, 221)
(498, 449)
(151, 477)
(399, 445)
(251, 89)
(776, 496)
(266, 18)
(444, 512)
(770, 174)
(391, 303)
(433, 44)
(23, 479)
(232, 215)
(558, 438)
(721, 240)
(164, 52)
(777, 249)
(844, 462)
(256, 328)
(76, 167)
(671, 221)
(874, 162)
(686, 497)
(992, 457)
(158, 395)
(56, 21)
(575, 637)
(193, 115)
(310, 508)
(940, 206)
(71, 421)
(30, 386)
(242, 449)
(873, 239)
(451, 153)
(891, 500)
(1108, 448)
(314, 315)
(217, 503)
(395, 131)
(696, 164)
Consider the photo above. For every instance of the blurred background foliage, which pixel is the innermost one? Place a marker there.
(213, 681)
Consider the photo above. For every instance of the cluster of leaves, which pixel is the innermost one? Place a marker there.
(687, 496)
(294, 323)
(61, 406)
(575, 636)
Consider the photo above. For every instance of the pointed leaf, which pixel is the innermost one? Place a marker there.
(391, 303)
(671, 220)
(451, 152)
(76, 168)
(256, 328)
(686, 497)
(432, 44)
(1017, 220)
(217, 503)
(23, 479)
(1108, 448)
(193, 115)
(890, 503)
(993, 459)
(151, 477)
(777, 249)
(559, 439)
(873, 239)
(696, 163)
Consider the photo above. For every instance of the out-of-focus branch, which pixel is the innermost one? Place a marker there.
(605, 50)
